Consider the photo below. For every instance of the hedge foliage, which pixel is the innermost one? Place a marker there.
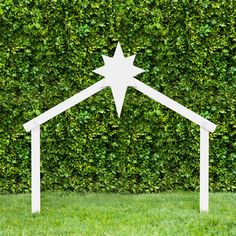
(48, 50)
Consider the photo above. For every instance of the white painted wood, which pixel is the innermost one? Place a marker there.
(175, 106)
(204, 169)
(35, 169)
(120, 67)
(63, 106)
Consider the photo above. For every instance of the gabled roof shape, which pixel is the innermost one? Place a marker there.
(140, 86)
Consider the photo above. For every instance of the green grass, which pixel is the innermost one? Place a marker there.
(66, 213)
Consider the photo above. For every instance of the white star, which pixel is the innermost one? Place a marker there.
(119, 72)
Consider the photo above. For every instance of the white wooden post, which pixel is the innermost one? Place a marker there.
(204, 169)
(35, 169)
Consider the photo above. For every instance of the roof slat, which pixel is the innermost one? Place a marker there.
(175, 106)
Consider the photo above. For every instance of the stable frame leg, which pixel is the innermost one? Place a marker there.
(35, 169)
(204, 170)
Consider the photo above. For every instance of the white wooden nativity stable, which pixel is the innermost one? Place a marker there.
(119, 73)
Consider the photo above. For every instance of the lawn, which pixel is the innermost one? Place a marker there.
(170, 213)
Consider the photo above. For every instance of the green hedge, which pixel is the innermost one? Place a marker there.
(48, 50)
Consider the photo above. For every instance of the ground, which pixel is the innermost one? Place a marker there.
(66, 213)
